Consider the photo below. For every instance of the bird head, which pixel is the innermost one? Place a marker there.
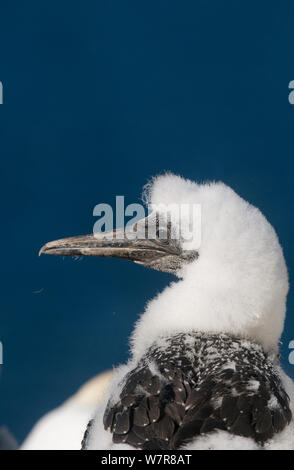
(232, 269)
(162, 241)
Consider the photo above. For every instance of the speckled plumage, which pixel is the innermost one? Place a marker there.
(192, 384)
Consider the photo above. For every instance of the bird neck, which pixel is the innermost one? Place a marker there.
(213, 305)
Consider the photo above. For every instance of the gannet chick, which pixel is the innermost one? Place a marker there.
(204, 362)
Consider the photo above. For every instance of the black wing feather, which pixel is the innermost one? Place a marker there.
(203, 384)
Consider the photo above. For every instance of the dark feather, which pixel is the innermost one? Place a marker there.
(197, 392)
(119, 438)
(229, 410)
(175, 411)
(153, 387)
(242, 426)
(134, 440)
(122, 422)
(185, 433)
(211, 424)
(129, 401)
(279, 420)
(264, 422)
(164, 428)
(141, 417)
(154, 409)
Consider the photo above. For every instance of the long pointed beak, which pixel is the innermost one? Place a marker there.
(109, 244)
